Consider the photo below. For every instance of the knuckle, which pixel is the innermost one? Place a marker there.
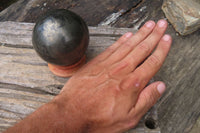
(124, 85)
(157, 31)
(154, 60)
(119, 68)
(124, 64)
(111, 48)
(145, 99)
(139, 35)
(132, 123)
(133, 84)
(128, 44)
(135, 91)
(145, 47)
(142, 32)
(151, 99)
(122, 39)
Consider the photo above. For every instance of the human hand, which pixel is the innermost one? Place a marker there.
(109, 94)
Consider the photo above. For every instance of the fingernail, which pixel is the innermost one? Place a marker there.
(161, 88)
(161, 23)
(149, 24)
(166, 38)
(128, 34)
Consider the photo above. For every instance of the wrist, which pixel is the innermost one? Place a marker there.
(68, 117)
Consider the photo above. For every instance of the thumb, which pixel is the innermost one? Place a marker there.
(148, 97)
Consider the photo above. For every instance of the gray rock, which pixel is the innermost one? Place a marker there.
(183, 14)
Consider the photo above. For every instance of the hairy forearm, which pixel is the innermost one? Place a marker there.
(52, 117)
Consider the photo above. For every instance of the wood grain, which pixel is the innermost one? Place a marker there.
(179, 108)
(25, 81)
(93, 11)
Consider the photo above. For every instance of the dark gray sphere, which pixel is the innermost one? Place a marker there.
(60, 37)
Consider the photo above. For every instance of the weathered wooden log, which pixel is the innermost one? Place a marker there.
(179, 108)
(93, 11)
(25, 81)
(117, 13)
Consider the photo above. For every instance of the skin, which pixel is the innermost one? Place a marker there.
(109, 94)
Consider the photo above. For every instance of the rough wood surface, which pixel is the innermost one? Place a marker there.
(25, 81)
(94, 11)
(179, 108)
(117, 13)
(16, 48)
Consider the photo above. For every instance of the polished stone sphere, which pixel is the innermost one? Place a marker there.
(60, 37)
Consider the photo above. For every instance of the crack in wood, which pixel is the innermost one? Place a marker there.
(16, 46)
(26, 89)
(114, 17)
(132, 8)
(30, 63)
(17, 114)
(105, 35)
(23, 97)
